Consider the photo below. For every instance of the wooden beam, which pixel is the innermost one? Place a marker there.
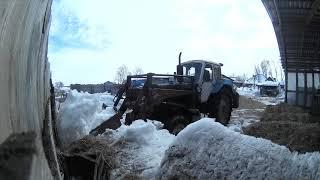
(297, 89)
(314, 8)
(305, 89)
(281, 39)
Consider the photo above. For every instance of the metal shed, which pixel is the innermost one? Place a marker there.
(297, 28)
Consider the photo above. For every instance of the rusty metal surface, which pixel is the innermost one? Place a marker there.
(142, 101)
(111, 123)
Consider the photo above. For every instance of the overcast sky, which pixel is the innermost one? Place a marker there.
(90, 39)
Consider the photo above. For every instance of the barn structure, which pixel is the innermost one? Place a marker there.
(297, 28)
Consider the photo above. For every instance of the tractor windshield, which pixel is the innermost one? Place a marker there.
(192, 69)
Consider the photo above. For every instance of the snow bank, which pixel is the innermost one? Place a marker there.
(82, 112)
(141, 148)
(250, 92)
(208, 150)
(269, 83)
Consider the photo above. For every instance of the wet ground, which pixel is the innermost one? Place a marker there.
(248, 112)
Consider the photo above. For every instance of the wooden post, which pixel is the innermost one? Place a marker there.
(297, 88)
(305, 90)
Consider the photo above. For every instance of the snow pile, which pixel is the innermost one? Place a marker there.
(249, 92)
(269, 83)
(208, 150)
(141, 147)
(82, 112)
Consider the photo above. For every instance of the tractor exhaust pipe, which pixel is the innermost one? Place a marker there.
(180, 69)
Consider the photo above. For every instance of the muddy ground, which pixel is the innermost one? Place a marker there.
(286, 125)
(248, 112)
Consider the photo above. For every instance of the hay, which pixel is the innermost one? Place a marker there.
(289, 126)
(89, 158)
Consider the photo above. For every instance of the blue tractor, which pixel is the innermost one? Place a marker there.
(198, 87)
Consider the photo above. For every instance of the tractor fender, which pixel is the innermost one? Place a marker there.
(225, 86)
(221, 84)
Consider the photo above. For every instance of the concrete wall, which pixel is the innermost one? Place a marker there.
(25, 74)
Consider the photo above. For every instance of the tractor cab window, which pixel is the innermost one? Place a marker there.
(192, 69)
(217, 72)
(207, 74)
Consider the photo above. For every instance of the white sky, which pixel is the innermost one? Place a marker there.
(90, 39)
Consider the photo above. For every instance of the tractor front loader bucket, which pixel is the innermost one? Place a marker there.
(111, 123)
(114, 121)
(141, 107)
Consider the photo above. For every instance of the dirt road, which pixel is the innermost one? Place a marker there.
(249, 111)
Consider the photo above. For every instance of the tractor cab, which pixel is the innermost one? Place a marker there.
(202, 71)
(205, 75)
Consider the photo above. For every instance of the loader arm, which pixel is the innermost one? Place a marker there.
(143, 101)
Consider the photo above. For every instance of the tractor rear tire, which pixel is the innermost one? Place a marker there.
(223, 113)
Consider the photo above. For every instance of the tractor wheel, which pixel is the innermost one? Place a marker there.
(212, 107)
(223, 109)
(178, 123)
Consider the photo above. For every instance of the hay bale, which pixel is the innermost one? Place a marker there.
(89, 158)
(283, 107)
(285, 112)
(297, 136)
(286, 116)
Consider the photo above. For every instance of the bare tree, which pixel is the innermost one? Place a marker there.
(58, 89)
(137, 71)
(265, 68)
(270, 72)
(275, 68)
(121, 74)
(242, 78)
(58, 85)
(257, 70)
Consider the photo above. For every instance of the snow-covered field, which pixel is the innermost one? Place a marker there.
(202, 149)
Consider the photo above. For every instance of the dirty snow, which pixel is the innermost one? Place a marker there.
(208, 150)
(243, 117)
(80, 113)
(203, 150)
(141, 147)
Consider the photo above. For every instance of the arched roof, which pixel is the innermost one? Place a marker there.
(297, 27)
